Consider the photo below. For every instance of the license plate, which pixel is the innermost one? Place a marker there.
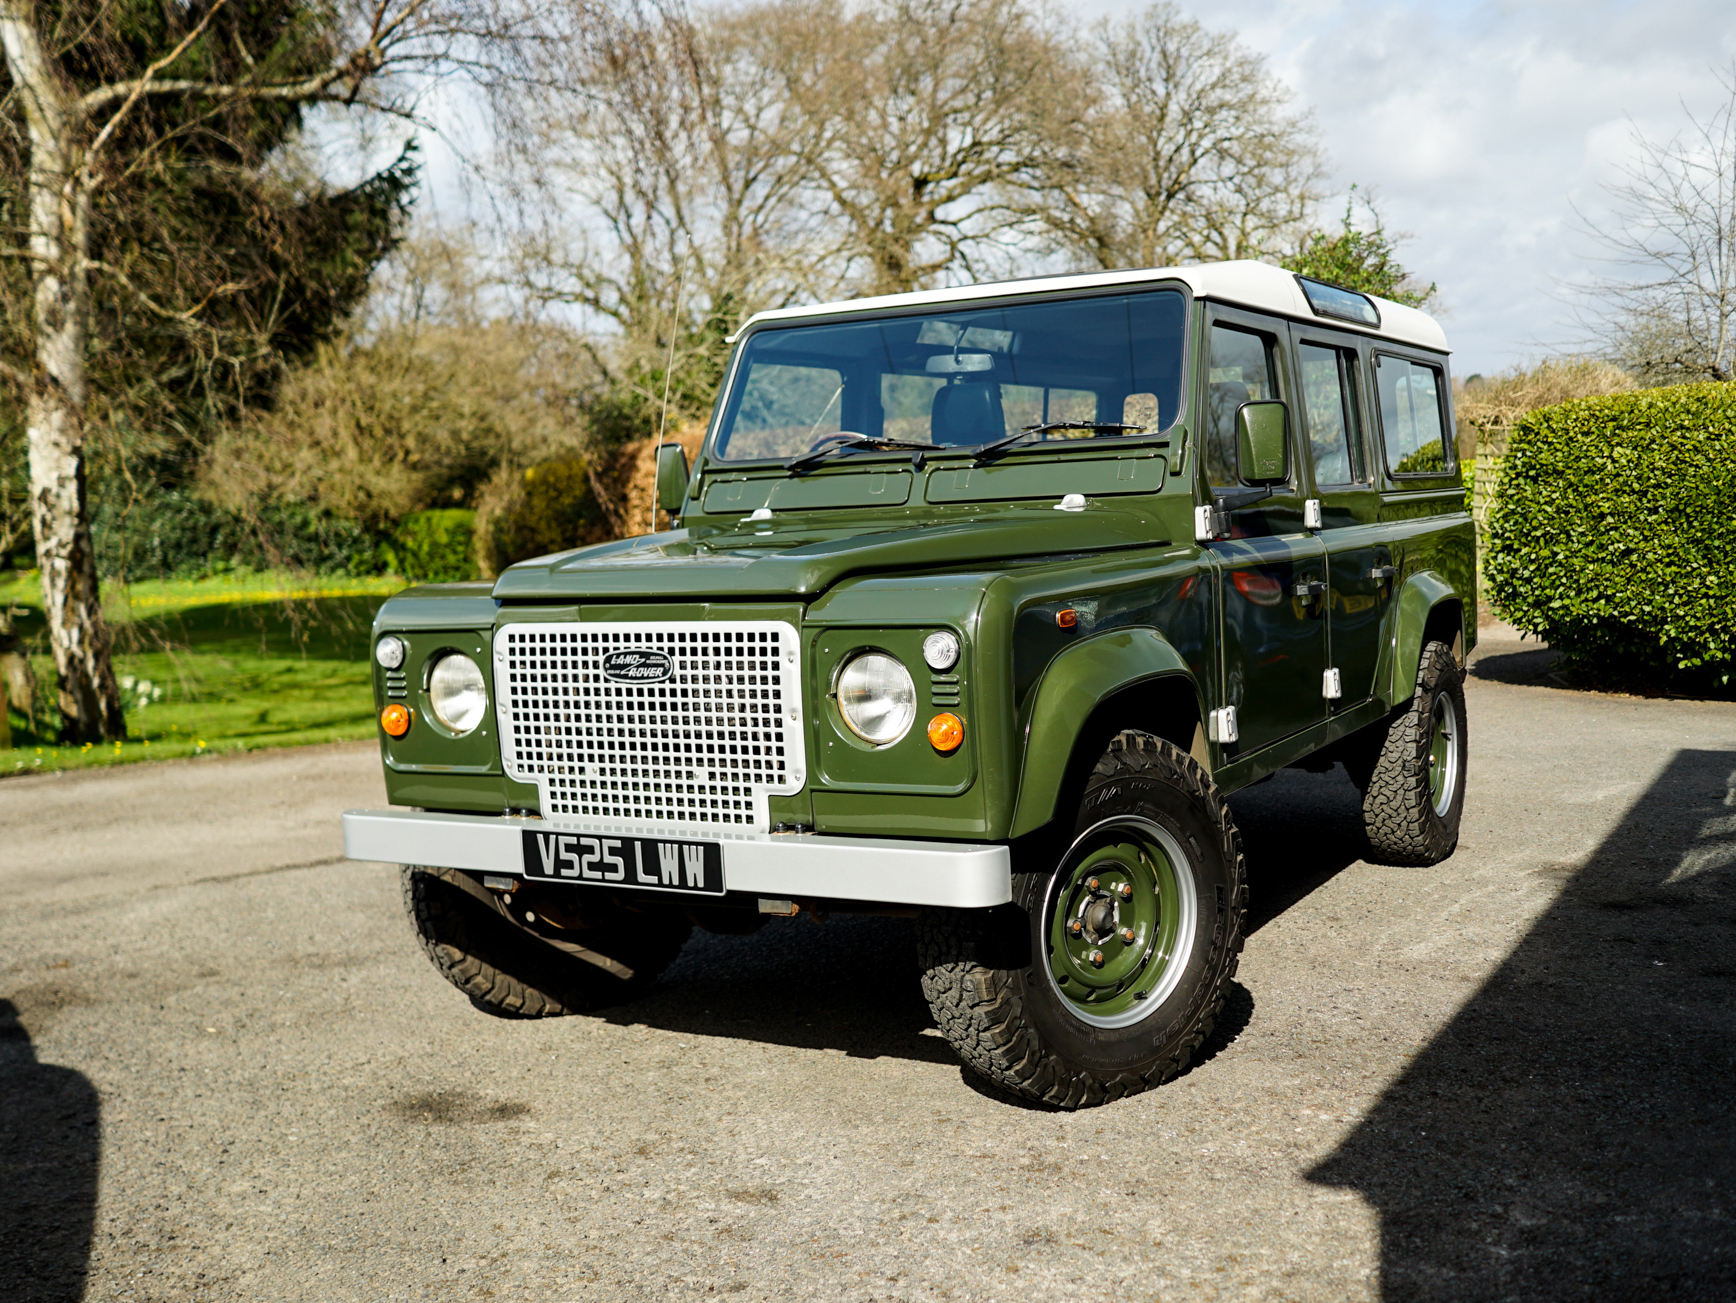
(645, 863)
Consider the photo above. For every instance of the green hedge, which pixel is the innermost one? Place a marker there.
(435, 547)
(1613, 534)
(174, 534)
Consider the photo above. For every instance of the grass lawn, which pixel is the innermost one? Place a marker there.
(214, 665)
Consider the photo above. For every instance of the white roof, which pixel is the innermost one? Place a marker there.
(1248, 284)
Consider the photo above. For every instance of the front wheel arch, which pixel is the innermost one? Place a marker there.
(1129, 679)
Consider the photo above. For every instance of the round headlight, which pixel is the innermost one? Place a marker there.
(389, 651)
(940, 650)
(456, 693)
(877, 698)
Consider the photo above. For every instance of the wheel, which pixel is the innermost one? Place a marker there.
(567, 956)
(1106, 973)
(1414, 788)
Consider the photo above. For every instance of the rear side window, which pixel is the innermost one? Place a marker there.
(1328, 389)
(1411, 416)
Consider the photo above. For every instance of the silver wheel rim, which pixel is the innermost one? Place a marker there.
(1187, 923)
(1446, 755)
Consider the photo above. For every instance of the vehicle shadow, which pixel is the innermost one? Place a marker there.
(1299, 831)
(49, 1141)
(1571, 1134)
(852, 984)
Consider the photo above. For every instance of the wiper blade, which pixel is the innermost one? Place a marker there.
(988, 449)
(816, 455)
(1080, 425)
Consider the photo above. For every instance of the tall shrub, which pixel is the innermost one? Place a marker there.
(1614, 533)
(435, 547)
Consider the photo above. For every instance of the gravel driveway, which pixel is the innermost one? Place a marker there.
(227, 1071)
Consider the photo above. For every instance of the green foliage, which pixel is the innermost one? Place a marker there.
(173, 534)
(550, 509)
(1611, 534)
(218, 251)
(435, 547)
(1363, 260)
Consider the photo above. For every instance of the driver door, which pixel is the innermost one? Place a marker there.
(1271, 571)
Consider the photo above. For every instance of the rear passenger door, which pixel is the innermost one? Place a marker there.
(1332, 371)
(1271, 570)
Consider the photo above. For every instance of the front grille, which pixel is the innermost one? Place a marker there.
(692, 723)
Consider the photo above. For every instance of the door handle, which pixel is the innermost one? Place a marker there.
(1309, 589)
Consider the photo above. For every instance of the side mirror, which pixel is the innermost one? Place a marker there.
(1263, 443)
(671, 477)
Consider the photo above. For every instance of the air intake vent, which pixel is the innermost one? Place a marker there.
(690, 724)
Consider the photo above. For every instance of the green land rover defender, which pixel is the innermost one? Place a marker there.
(974, 607)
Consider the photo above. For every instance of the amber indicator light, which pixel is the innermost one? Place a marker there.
(1067, 619)
(945, 732)
(395, 719)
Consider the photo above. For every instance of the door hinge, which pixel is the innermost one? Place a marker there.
(1309, 589)
(1332, 685)
(1210, 524)
(1311, 517)
(1221, 725)
(1383, 574)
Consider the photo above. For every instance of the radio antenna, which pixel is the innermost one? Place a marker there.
(668, 372)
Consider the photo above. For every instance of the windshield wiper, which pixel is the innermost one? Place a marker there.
(988, 449)
(816, 455)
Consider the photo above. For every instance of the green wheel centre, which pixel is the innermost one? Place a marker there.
(1121, 919)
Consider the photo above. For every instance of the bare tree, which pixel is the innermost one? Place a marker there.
(1673, 222)
(923, 122)
(1193, 151)
(94, 113)
(667, 163)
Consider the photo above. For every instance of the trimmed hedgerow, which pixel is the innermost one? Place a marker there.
(1613, 533)
(435, 547)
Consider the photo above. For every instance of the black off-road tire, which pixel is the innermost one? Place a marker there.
(504, 968)
(988, 974)
(1399, 802)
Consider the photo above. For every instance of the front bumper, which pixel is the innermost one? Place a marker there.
(780, 865)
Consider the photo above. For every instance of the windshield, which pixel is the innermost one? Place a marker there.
(961, 378)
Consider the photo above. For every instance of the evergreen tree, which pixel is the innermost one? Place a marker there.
(1359, 259)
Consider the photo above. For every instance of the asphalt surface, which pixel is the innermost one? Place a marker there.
(227, 1071)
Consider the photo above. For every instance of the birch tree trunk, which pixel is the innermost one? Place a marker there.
(59, 201)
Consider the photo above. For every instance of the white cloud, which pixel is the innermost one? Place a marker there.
(1482, 127)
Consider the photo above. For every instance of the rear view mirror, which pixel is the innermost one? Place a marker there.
(943, 364)
(671, 477)
(1263, 443)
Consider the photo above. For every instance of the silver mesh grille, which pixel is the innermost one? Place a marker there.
(680, 723)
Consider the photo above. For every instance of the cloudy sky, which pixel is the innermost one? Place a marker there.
(1483, 125)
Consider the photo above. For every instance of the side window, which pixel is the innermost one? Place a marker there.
(1243, 369)
(1410, 416)
(1328, 393)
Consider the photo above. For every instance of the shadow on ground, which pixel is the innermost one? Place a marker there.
(1299, 831)
(49, 1141)
(852, 984)
(1571, 1134)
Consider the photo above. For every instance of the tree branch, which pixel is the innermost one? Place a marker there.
(140, 85)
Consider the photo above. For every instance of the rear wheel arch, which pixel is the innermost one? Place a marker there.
(1426, 609)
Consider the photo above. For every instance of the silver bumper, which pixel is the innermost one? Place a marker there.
(784, 865)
